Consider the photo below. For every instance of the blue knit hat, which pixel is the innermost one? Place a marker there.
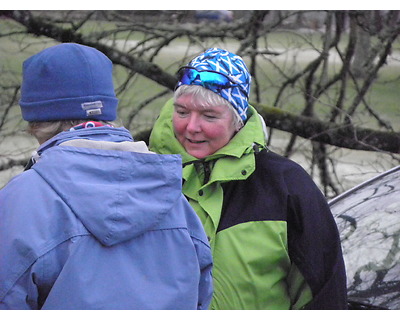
(232, 66)
(68, 82)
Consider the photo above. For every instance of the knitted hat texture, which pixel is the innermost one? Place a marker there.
(68, 82)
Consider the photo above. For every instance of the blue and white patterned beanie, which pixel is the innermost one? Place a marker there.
(233, 67)
(68, 82)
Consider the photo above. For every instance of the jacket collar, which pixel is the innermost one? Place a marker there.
(103, 133)
(99, 133)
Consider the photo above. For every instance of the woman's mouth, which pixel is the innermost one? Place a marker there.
(195, 141)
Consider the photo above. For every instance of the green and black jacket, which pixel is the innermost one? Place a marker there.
(274, 241)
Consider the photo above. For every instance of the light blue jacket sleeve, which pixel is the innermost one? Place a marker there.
(30, 291)
(23, 295)
(203, 251)
(205, 285)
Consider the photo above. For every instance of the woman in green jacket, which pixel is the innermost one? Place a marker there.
(274, 241)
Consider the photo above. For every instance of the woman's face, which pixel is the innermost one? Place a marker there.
(202, 130)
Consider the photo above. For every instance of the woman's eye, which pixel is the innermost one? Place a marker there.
(181, 113)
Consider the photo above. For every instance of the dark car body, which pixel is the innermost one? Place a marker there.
(368, 219)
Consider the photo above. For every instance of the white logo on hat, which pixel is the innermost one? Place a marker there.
(92, 108)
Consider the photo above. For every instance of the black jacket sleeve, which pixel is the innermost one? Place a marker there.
(313, 240)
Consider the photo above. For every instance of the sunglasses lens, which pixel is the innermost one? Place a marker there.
(216, 80)
(187, 76)
(210, 80)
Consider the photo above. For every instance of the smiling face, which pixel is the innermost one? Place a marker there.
(202, 130)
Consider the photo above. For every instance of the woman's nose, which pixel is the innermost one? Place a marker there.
(193, 123)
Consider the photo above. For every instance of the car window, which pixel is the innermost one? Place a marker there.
(368, 220)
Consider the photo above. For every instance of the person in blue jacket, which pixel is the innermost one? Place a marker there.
(97, 221)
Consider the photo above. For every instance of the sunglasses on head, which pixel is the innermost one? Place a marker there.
(212, 80)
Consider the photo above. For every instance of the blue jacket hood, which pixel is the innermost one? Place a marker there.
(101, 182)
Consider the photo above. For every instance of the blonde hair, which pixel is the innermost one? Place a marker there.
(45, 130)
(208, 99)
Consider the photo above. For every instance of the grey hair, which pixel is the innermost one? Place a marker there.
(45, 130)
(209, 98)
